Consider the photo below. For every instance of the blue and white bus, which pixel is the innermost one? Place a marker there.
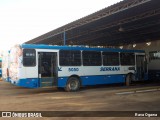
(5, 66)
(67, 67)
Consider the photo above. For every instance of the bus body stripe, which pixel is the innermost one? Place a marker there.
(30, 46)
(62, 81)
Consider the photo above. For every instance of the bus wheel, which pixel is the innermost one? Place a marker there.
(129, 79)
(73, 84)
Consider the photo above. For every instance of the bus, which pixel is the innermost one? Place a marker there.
(5, 66)
(70, 67)
(152, 51)
(154, 65)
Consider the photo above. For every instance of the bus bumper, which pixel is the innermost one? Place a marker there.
(28, 83)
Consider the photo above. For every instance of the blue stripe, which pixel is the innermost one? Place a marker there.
(108, 79)
(40, 46)
(29, 82)
(95, 80)
(62, 81)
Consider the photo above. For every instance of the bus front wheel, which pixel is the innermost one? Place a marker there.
(73, 84)
(129, 79)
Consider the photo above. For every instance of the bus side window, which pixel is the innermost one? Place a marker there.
(29, 57)
(70, 58)
(110, 58)
(127, 58)
(92, 58)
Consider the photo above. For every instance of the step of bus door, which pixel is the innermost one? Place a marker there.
(46, 84)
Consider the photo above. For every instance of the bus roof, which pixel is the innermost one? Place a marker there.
(42, 46)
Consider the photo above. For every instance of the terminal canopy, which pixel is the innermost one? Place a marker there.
(127, 22)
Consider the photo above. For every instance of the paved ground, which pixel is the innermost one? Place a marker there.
(99, 98)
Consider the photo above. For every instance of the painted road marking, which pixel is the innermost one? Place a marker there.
(138, 91)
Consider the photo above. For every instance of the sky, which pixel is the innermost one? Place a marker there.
(23, 20)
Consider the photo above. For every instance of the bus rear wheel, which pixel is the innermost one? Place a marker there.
(73, 84)
(129, 79)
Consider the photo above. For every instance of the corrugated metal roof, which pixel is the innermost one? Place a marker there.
(128, 21)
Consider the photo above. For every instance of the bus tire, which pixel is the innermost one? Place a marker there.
(73, 84)
(129, 79)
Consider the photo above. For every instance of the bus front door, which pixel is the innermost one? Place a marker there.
(141, 67)
(47, 69)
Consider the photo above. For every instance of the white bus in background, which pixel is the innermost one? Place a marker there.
(67, 67)
(152, 50)
(154, 65)
(5, 66)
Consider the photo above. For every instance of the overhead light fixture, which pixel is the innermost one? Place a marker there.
(121, 29)
(121, 47)
(148, 43)
(134, 45)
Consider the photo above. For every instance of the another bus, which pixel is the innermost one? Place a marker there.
(154, 65)
(152, 50)
(5, 66)
(67, 67)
